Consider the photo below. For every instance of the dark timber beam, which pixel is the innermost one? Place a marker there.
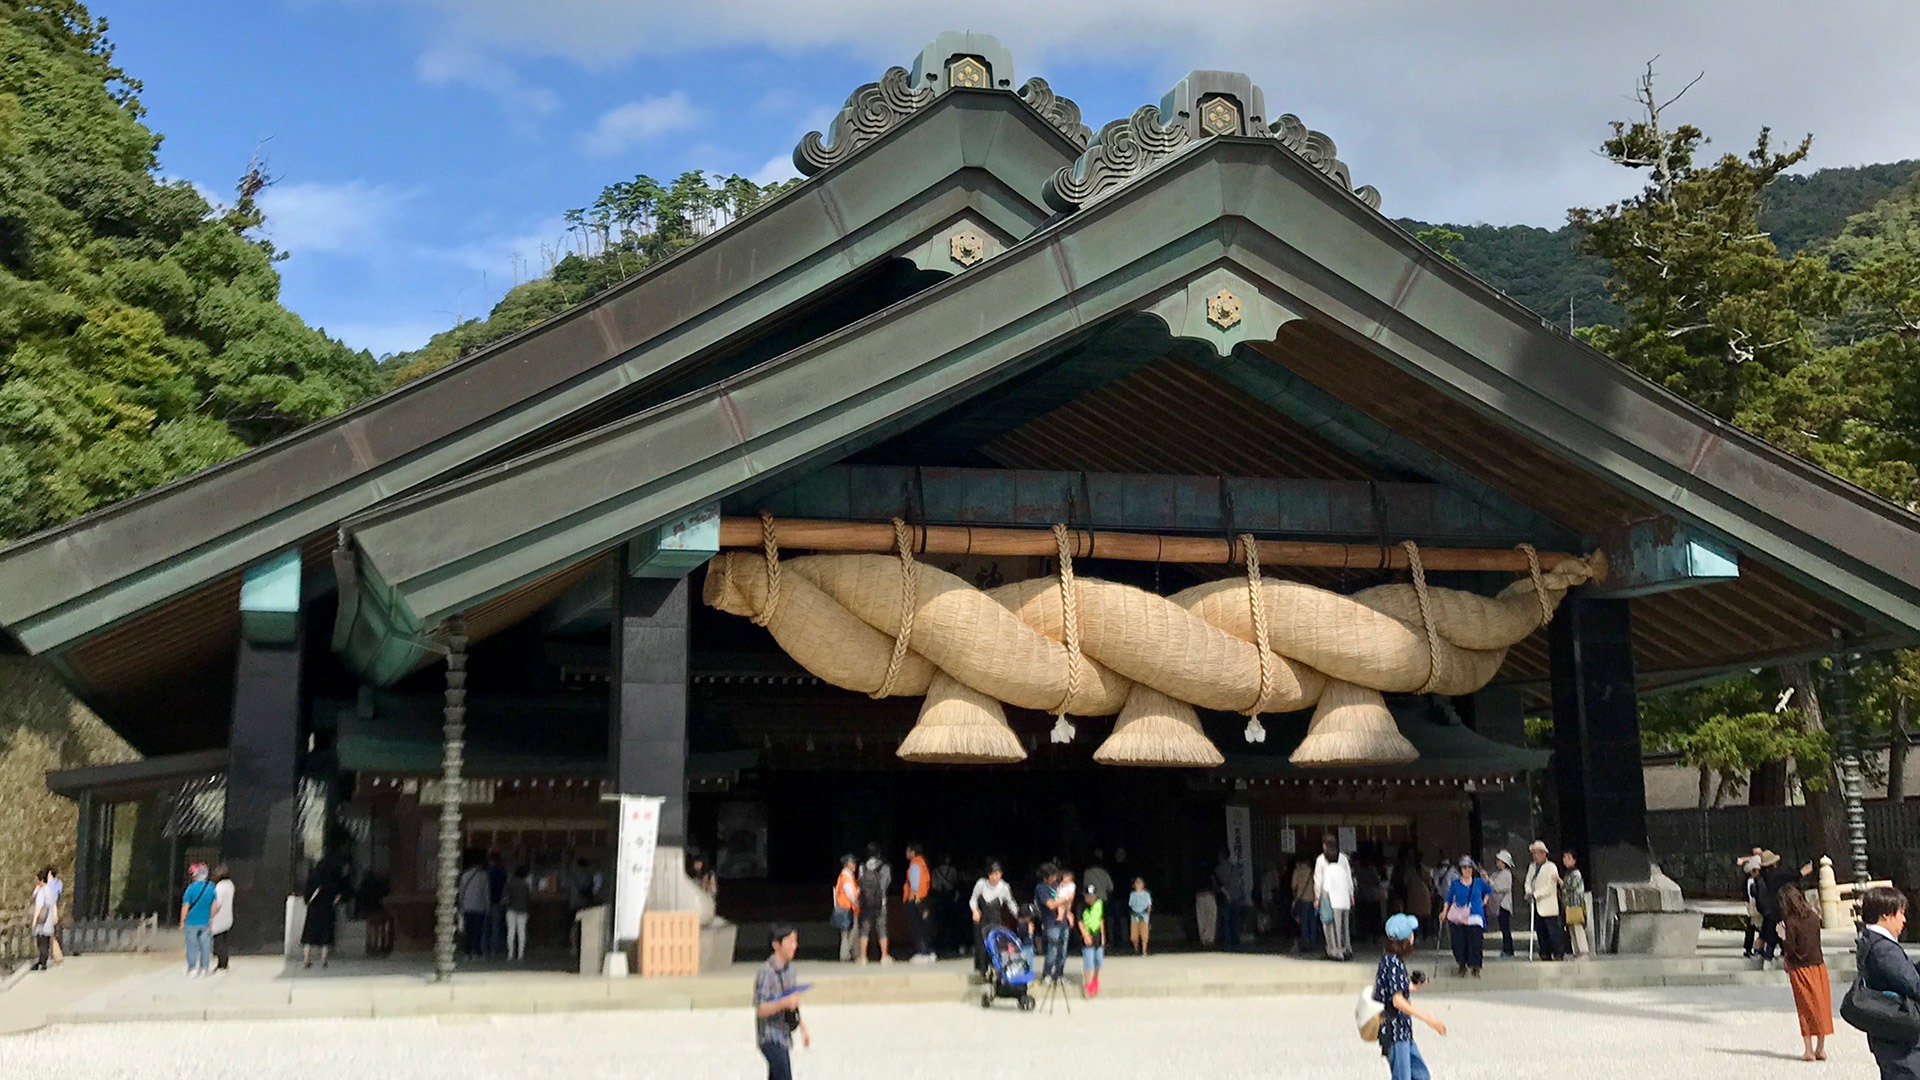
(1596, 736)
(1209, 505)
(263, 765)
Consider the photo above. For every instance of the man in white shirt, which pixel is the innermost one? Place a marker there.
(991, 903)
(1334, 887)
(1543, 889)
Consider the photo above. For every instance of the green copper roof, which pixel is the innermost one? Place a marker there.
(1245, 219)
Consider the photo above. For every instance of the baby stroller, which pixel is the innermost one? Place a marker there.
(1009, 973)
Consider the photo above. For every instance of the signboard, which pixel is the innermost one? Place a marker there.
(1240, 845)
(1289, 841)
(1349, 840)
(633, 862)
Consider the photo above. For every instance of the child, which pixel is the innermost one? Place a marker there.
(1392, 987)
(1139, 916)
(1023, 933)
(1063, 895)
(1093, 941)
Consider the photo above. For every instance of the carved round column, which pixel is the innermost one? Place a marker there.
(446, 917)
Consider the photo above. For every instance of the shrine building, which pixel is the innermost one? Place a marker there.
(984, 423)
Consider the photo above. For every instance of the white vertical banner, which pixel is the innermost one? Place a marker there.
(633, 868)
(1240, 845)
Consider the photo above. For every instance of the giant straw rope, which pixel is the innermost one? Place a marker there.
(888, 625)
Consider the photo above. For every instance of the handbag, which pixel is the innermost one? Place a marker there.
(842, 919)
(1459, 914)
(1576, 916)
(1883, 1016)
(1326, 909)
(1368, 1013)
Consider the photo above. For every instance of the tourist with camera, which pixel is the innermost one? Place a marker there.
(776, 1004)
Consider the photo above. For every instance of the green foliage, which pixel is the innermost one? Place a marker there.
(1709, 308)
(141, 334)
(632, 225)
(1547, 271)
(1441, 239)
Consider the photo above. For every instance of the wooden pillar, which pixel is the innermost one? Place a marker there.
(1596, 729)
(649, 734)
(453, 751)
(263, 777)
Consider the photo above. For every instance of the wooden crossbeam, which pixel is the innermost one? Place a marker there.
(807, 534)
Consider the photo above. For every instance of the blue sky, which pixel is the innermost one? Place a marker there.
(426, 149)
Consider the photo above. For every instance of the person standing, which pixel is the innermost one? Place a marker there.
(1774, 875)
(496, 931)
(1306, 910)
(1574, 908)
(222, 923)
(776, 1004)
(1392, 988)
(1419, 889)
(1140, 917)
(1543, 890)
(475, 900)
(1467, 902)
(1097, 877)
(316, 931)
(42, 918)
(990, 903)
(876, 877)
(196, 919)
(846, 906)
(1806, 972)
(1751, 867)
(1333, 889)
(1093, 940)
(1884, 967)
(1501, 881)
(1206, 913)
(913, 896)
(517, 898)
(1053, 925)
(57, 889)
(946, 904)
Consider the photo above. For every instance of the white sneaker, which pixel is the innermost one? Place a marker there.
(862, 961)
(886, 959)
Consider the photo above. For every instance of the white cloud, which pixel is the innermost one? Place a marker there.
(778, 169)
(620, 129)
(1476, 109)
(463, 64)
(319, 218)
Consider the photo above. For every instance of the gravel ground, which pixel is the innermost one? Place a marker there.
(1643, 1034)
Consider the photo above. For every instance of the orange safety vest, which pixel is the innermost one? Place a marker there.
(926, 881)
(846, 892)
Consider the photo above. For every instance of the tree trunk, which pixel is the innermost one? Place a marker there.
(1706, 788)
(1826, 808)
(1767, 785)
(1897, 752)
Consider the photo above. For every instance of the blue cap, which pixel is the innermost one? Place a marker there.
(1401, 927)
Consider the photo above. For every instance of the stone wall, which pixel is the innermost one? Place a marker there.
(42, 727)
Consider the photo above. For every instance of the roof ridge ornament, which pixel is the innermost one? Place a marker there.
(1122, 150)
(1061, 112)
(953, 59)
(1200, 106)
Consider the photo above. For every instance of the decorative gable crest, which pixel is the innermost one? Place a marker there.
(1200, 106)
(954, 59)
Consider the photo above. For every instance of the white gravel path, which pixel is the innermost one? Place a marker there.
(1690, 1033)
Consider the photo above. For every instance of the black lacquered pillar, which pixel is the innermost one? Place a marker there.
(1596, 726)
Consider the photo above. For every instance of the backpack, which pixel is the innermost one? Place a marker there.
(873, 886)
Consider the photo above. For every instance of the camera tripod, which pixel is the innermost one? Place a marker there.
(1057, 991)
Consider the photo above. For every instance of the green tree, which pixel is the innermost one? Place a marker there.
(1709, 308)
(141, 334)
(629, 227)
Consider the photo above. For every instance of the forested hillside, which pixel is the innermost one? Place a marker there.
(1546, 270)
(141, 333)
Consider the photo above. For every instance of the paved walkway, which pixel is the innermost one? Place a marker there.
(123, 989)
(1655, 1034)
